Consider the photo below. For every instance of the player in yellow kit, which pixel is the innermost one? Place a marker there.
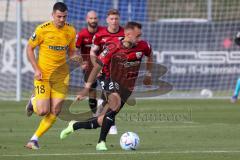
(55, 39)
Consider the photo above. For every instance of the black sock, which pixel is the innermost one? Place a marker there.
(113, 124)
(90, 124)
(108, 121)
(93, 104)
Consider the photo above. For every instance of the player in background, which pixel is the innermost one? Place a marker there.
(237, 87)
(83, 45)
(129, 51)
(55, 39)
(112, 30)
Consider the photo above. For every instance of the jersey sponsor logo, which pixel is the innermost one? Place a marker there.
(104, 39)
(34, 36)
(104, 52)
(58, 48)
(88, 45)
(131, 64)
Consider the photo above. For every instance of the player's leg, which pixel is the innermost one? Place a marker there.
(75, 125)
(49, 120)
(41, 100)
(105, 86)
(91, 123)
(41, 105)
(125, 94)
(58, 94)
(101, 109)
(114, 102)
(92, 101)
(236, 92)
(29, 107)
(101, 104)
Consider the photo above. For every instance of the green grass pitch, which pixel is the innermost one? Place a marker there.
(168, 129)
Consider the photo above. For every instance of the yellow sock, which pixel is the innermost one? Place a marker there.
(45, 124)
(34, 103)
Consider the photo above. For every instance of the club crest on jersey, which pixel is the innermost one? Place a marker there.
(104, 39)
(33, 37)
(139, 55)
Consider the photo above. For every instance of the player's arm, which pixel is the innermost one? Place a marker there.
(91, 79)
(35, 40)
(95, 49)
(75, 56)
(79, 43)
(101, 60)
(148, 76)
(93, 54)
(74, 52)
(32, 60)
(149, 63)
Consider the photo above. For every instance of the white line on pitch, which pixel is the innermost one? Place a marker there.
(122, 153)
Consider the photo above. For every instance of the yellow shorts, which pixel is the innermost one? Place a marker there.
(46, 90)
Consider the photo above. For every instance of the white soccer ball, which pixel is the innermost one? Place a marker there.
(207, 93)
(129, 141)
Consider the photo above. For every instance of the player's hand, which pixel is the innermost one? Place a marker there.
(147, 80)
(38, 75)
(84, 65)
(82, 94)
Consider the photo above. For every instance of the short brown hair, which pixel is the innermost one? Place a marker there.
(113, 12)
(132, 25)
(60, 6)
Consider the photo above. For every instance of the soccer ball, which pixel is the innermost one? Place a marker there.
(129, 141)
(206, 93)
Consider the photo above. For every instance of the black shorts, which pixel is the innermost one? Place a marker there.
(109, 86)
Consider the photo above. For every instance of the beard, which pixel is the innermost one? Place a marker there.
(93, 24)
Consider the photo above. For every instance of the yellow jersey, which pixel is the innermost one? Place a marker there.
(53, 45)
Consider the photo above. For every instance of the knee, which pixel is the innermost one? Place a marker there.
(100, 119)
(42, 111)
(114, 103)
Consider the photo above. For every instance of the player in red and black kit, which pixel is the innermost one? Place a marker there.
(83, 44)
(112, 30)
(99, 40)
(125, 55)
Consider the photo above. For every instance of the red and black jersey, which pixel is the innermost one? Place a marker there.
(103, 36)
(84, 41)
(122, 64)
